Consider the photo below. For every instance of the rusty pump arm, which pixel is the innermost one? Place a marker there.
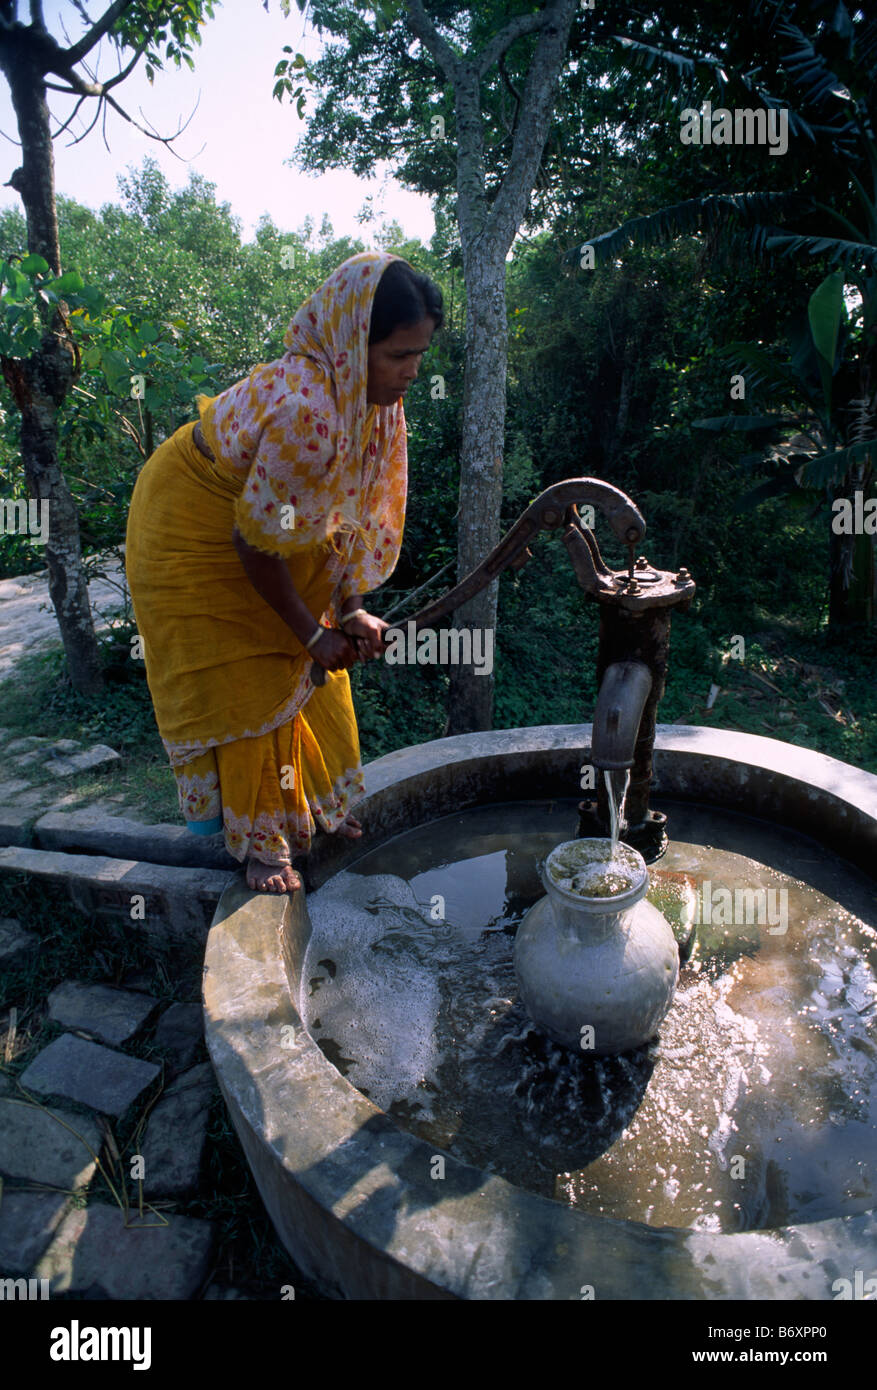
(553, 508)
(635, 614)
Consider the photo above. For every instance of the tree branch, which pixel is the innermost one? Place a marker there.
(89, 128)
(100, 27)
(61, 64)
(515, 29)
(72, 116)
(463, 76)
(153, 134)
(123, 72)
(537, 106)
(515, 93)
(79, 87)
(438, 48)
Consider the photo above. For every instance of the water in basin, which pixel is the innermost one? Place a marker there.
(755, 1107)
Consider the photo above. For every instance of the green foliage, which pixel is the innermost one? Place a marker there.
(165, 290)
(116, 348)
(166, 30)
(27, 288)
(817, 63)
(609, 371)
(284, 86)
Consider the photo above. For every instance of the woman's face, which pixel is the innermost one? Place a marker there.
(394, 363)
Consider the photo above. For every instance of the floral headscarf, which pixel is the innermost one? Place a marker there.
(303, 433)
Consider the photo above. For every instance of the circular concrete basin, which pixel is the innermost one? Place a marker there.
(356, 1199)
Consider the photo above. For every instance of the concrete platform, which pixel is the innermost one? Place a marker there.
(351, 1193)
(94, 832)
(162, 900)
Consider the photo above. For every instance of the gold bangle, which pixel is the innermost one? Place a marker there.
(356, 613)
(315, 636)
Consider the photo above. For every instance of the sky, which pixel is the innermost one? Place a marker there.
(238, 137)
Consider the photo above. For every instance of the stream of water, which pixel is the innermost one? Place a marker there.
(616, 807)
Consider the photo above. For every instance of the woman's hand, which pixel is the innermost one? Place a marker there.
(333, 651)
(370, 630)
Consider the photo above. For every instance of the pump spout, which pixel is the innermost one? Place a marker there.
(620, 704)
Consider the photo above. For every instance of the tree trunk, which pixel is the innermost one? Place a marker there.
(852, 578)
(487, 230)
(484, 402)
(40, 383)
(31, 383)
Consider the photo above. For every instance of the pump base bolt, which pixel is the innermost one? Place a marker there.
(649, 836)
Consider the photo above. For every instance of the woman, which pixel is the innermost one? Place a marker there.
(280, 510)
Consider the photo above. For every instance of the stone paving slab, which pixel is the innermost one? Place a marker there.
(28, 1220)
(112, 1015)
(83, 761)
(16, 787)
(35, 1147)
(90, 1074)
(180, 1032)
(62, 757)
(175, 1134)
(94, 1251)
(21, 805)
(17, 746)
(97, 756)
(168, 901)
(92, 831)
(16, 944)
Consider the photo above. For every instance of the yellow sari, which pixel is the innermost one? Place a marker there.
(308, 471)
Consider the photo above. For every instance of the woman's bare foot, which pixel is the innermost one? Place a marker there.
(272, 878)
(350, 828)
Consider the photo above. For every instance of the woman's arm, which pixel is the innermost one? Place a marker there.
(353, 602)
(271, 579)
(367, 627)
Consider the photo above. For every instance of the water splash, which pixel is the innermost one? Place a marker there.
(758, 1105)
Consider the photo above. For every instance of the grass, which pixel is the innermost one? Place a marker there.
(40, 700)
(808, 690)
